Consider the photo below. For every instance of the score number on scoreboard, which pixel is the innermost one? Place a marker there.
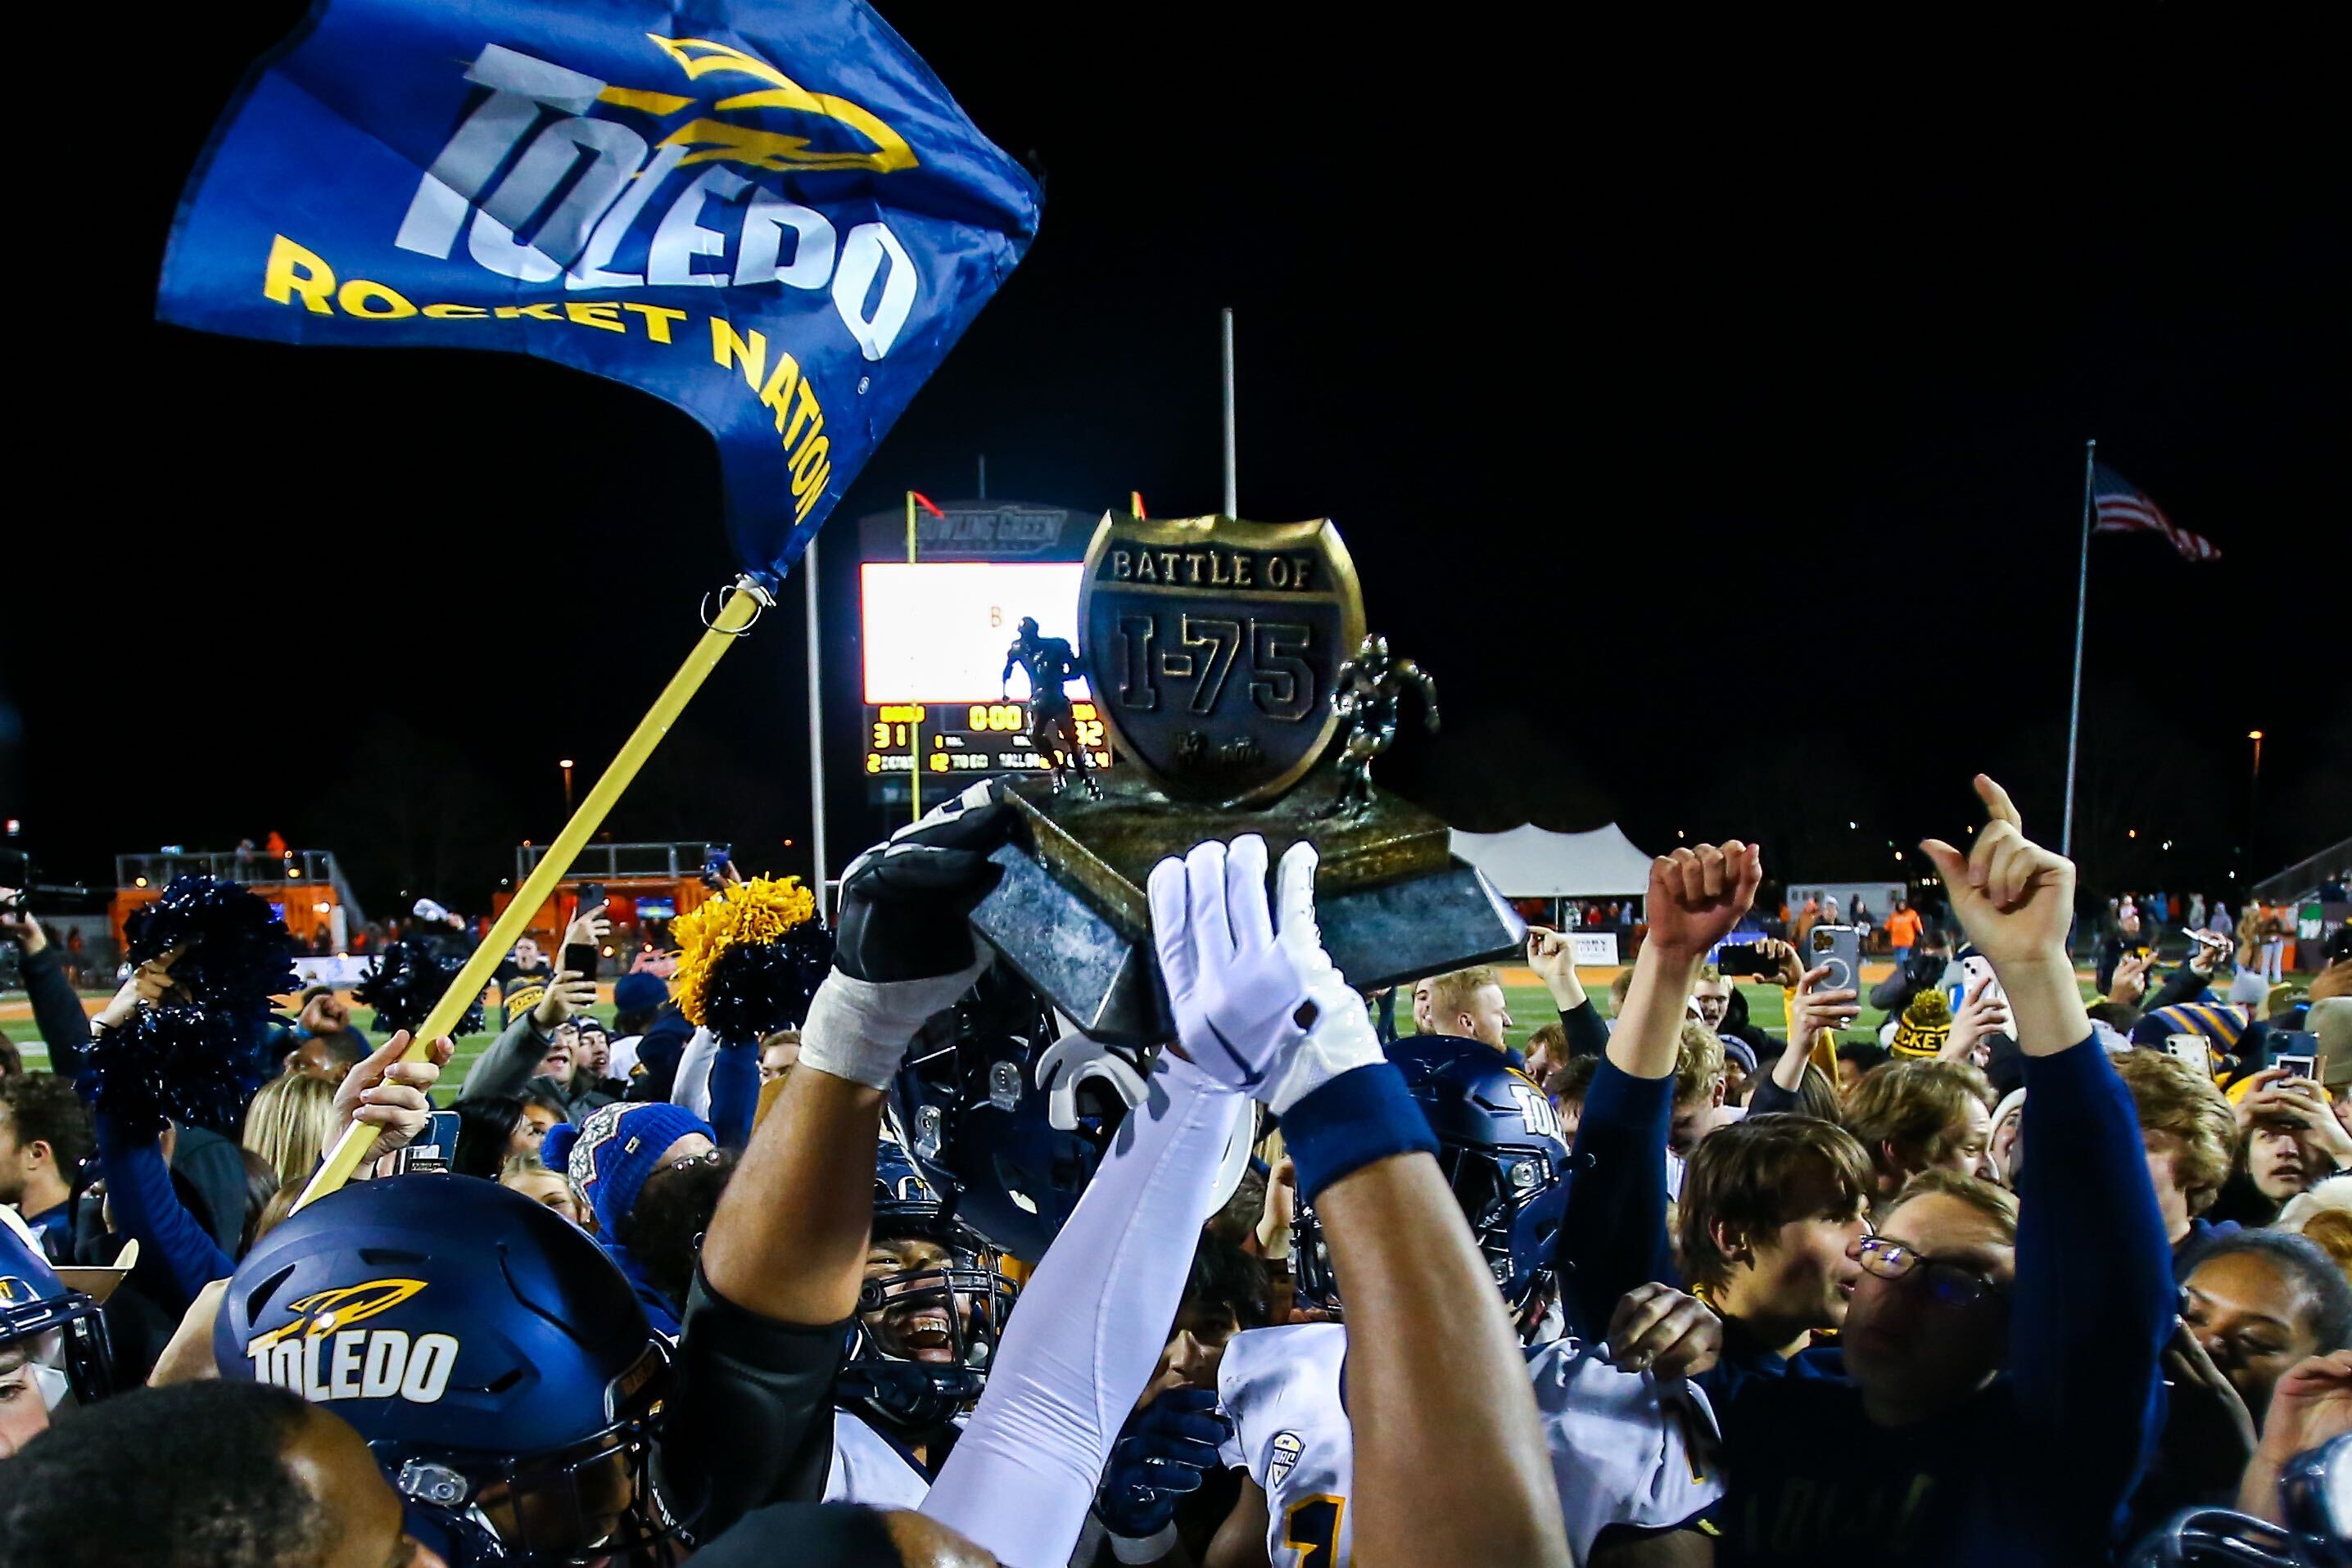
(969, 738)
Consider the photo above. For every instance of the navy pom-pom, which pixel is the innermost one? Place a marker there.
(200, 1054)
(186, 1062)
(756, 988)
(233, 953)
(407, 979)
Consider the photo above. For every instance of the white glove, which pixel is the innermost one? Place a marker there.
(1267, 1016)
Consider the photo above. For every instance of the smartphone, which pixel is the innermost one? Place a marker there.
(592, 895)
(1839, 946)
(2193, 1049)
(2299, 1054)
(1743, 958)
(714, 864)
(580, 958)
(1974, 968)
(433, 1149)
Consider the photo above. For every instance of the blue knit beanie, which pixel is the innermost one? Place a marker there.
(610, 1154)
(638, 992)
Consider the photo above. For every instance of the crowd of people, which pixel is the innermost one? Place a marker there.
(838, 1245)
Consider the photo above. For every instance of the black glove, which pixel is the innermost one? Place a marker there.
(906, 904)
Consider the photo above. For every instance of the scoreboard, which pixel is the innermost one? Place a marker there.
(934, 633)
(964, 739)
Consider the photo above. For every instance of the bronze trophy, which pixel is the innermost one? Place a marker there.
(1222, 656)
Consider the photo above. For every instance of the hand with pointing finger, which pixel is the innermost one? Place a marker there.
(2014, 898)
(2016, 901)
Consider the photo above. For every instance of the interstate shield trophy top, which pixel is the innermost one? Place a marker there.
(1224, 656)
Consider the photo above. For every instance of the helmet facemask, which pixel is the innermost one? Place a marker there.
(920, 1345)
(60, 1343)
(588, 1503)
(1512, 1196)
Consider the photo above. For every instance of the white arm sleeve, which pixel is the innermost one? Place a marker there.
(691, 1086)
(1090, 1327)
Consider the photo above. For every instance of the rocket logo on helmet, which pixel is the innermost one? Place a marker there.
(321, 1356)
(508, 1387)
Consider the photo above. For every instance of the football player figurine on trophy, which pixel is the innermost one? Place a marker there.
(1050, 662)
(1365, 697)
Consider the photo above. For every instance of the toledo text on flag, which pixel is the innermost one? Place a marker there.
(779, 224)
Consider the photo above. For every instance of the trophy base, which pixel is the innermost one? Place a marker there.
(1071, 916)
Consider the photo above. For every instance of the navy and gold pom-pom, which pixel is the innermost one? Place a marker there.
(758, 986)
(749, 959)
(407, 979)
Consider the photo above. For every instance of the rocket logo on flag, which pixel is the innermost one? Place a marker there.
(2125, 510)
(775, 218)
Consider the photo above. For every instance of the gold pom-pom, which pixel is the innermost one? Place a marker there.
(760, 910)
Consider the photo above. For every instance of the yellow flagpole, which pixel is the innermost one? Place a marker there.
(915, 730)
(741, 606)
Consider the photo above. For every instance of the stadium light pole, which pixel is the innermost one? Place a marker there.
(566, 764)
(815, 725)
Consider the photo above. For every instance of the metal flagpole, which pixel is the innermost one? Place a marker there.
(815, 724)
(1233, 501)
(740, 607)
(2082, 604)
(915, 729)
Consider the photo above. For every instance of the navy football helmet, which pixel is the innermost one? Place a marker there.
(1499, 1143)
(52, 1333)
(493, 1357)
(921, 1344)
(2314, 1496)
(1005, 1118)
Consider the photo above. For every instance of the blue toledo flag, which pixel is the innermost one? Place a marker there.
(767, 211)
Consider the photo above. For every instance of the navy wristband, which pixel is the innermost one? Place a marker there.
(1363, 1116)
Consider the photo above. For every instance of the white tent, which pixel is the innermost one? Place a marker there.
(1531, 863)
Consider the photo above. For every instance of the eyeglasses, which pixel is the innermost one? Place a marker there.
(714, 1157)
(1948, 1284)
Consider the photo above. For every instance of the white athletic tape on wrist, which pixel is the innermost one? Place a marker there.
(858, 1029)
(1150, 1548)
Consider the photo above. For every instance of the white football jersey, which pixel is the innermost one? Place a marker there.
(868, 1467)
(1281, 1386)
(1626, 1447)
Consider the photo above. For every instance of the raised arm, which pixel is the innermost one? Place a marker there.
(1612, 1237)
(1810, 1012)
(2094, 1300)
(57, 1012)
(782, 1261)
(1553, 957)
(1450, 1464)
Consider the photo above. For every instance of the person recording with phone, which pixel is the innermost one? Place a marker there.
(542, 1045)
(2289, 1141)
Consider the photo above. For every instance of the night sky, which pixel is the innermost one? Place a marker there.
(1706, 411)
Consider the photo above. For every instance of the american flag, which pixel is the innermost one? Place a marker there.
(2124, 509)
